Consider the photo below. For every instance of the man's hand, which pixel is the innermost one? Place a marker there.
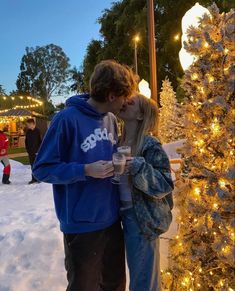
(99, 169)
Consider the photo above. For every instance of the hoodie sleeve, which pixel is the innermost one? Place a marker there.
(153, 179)
(50, 165)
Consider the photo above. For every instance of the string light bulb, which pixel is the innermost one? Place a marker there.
(176, 37)
(211, 79)
(194, 76)
(222, 183)
(197, 191)
(215, 126)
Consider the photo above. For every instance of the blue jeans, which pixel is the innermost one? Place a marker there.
(143, 256)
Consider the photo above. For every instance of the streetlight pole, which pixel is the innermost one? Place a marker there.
(136, 40)
(152, 50)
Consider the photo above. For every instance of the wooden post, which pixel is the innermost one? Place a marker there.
(152, 50)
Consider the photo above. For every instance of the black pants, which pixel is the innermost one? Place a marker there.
(32, 158)
(95, 261)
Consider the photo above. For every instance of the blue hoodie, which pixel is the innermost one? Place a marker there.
(79, 135)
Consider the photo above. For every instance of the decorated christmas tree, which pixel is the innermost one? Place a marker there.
(171, 119)
(202, 253)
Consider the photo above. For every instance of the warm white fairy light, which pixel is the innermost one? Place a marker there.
(222, 183)
(211, 79)
(36, 104)
(176, 37)
(215, 205)
(194, 76)
(221, 283)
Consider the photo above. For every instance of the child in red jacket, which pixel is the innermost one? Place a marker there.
(4, 159)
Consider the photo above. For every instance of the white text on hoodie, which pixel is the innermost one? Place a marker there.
(98, 135)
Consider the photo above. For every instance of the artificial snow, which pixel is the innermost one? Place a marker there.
(31, 248)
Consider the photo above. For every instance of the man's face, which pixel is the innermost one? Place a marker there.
(115, 104)
(30, 125)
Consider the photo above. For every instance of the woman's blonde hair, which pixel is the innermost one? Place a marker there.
(148, 125)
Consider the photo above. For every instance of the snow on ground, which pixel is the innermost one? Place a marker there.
(31, 247)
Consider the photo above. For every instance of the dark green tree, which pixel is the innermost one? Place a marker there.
(119, 25)
(125, 18)
(93, 56)
(48, 109)
(2, 91)
(77, 79)
(43, 71)
(60, 106)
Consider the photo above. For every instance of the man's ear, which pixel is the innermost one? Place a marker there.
(111, 97)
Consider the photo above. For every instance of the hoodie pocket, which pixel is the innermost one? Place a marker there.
(94, 205)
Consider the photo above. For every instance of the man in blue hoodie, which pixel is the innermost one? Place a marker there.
(76, 157)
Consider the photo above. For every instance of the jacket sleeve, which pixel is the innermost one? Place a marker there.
(6, 146)
(50, 165)
(4, 143)
(39, 139)
(153, 178)
(26, 142)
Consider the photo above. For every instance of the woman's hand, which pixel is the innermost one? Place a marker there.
(129, 160)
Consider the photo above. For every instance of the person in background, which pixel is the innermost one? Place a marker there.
(76, 157)
(4, 143)
(146, 198)
(32, 143)
(21, 131)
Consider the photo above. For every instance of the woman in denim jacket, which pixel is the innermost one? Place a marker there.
(146, 198)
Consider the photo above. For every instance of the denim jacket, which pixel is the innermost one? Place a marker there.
(151, 188)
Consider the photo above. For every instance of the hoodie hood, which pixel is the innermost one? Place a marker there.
(80, 102)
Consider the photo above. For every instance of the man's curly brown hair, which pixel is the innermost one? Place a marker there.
(112, 77)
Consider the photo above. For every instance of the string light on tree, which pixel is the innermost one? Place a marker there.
(206, 191)
(171, 119)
